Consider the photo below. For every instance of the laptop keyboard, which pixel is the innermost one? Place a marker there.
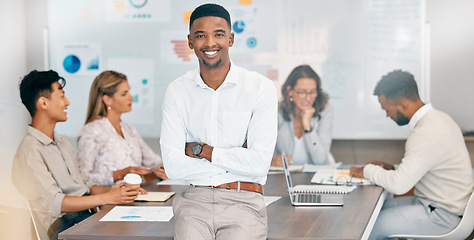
(307, 198)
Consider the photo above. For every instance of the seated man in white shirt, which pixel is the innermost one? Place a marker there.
(436, 163)
(45, 170)
(218, 133)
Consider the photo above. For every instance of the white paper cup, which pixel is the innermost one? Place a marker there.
(132, 179)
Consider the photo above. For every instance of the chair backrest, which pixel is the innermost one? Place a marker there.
(462, 231)
(33, 219)
(331, 159)
(466, 225)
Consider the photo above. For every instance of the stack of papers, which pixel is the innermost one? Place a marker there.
(331, 176)
(154, 197)
(292, 168)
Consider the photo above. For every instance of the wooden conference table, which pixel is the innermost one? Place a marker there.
(352, 221)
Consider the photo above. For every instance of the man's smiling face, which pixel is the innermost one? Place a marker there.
(211, 37)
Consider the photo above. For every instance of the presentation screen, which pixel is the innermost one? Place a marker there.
(349, 43)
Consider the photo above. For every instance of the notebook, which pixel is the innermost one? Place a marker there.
(292, 168)
(154, 197)
(313, 195)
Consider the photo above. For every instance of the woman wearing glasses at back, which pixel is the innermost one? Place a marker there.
(304, 120)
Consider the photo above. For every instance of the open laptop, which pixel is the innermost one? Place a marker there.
(309, 195)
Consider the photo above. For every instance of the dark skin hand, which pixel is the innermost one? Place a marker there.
(206, 151)
(359, 171)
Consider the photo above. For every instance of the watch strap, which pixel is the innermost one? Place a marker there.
(202, 148)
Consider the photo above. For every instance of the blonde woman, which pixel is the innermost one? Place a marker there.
(108, 148)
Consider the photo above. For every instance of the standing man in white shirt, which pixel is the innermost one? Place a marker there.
(218, 133)
(436, 163)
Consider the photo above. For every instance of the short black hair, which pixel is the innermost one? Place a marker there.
(396, 85)
(209, 10)
(38, 84)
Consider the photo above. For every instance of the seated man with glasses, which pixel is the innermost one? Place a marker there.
(305, 120)
(436, 163)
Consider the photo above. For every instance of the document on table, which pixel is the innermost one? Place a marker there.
(337, 176)
(139, 214)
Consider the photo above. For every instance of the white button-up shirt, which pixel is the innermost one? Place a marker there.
(243, 108)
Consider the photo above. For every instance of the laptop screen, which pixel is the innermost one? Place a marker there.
(310, 198)
(287, 172)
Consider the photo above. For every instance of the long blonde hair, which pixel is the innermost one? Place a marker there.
(104, 84)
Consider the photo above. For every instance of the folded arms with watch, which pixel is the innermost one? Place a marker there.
(198, 150)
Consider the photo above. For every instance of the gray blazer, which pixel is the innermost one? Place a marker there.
(317, 142)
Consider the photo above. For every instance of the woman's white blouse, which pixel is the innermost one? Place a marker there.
(101, 150)
(300, 156)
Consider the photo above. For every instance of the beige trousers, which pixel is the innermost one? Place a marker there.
(214, 213)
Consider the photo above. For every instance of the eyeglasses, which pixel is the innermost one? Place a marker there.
(303, 94)
(348, 181)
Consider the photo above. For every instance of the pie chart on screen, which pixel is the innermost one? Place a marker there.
(138, 3)
(71, 64)
(238, 26)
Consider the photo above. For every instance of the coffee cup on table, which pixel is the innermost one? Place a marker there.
(132, 179)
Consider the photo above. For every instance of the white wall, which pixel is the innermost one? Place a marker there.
(15, 221)
(13, 66)
(452, 58)
(36, 21)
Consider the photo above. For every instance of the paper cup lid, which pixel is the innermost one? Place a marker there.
(132, 178)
